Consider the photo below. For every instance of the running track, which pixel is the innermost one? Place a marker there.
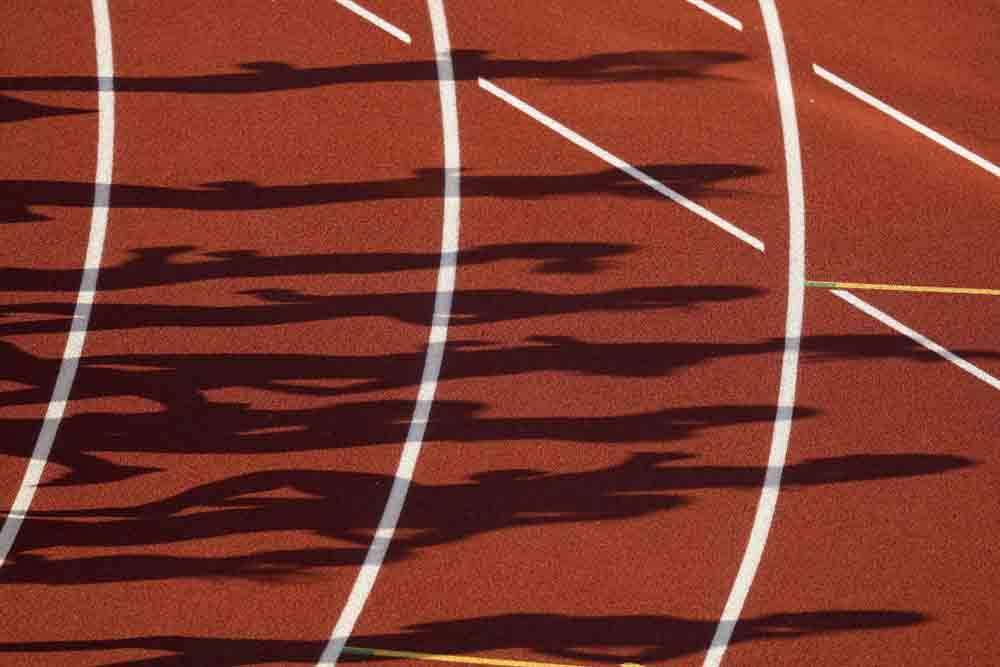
(273, 294)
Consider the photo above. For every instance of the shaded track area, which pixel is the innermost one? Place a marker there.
(597, 444)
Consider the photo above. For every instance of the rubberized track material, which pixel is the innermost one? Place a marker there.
(269, 299)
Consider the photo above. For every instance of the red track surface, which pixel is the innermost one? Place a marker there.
(601, 430)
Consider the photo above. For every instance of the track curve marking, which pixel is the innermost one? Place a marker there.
(622, 165)
(909, 122)
(435, 345)
(88, 283)
(376, 20)
(917, 337)
(793, 333)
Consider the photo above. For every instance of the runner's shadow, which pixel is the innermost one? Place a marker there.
(189, 422)
(271, 76)
(157, 266)
(596, 639)
(190, 427)
(180, 382)
(13, 109)
(284, 306)
(692, 180)
(310, 505)
(637, 638)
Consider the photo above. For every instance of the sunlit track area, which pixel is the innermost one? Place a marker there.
(563, 334)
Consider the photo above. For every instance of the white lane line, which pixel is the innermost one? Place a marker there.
(618, 163)
(936, 137)
(435, 347)
(717, 13)
(793, 334)
(916, 337)
(88, 284)
(375, 20)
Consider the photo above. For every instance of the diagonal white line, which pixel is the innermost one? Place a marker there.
(936, 137)
(717, 13)
(375, 20)
(618, 163)
(916, 337)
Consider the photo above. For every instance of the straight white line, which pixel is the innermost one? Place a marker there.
(793, 334)
(717, 13)
(907, 121)
(618, 163)
(376, 20)
(916, 337)
(88, 285)
(435, 349)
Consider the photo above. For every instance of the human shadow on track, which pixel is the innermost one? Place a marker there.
(270, 76)
(191, 423)
(594, 639)
(156, 266)
(283, 306)
(181, 381)
(691, 180)
(13, 109)
(615, 639)
(236, 428)
(342, 505)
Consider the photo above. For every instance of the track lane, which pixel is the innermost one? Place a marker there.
(592, 450)
(892, 205)
(193, 473)
(906, 554)
(899, 554)
(573, 336)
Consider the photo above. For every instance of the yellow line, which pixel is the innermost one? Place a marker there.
(903, 288)
(461, 659)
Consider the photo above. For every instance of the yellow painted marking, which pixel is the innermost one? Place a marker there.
(903, 288)
(460, 659)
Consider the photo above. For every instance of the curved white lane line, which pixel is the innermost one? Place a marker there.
(793, 333)
(88, 284)
(435, 347)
